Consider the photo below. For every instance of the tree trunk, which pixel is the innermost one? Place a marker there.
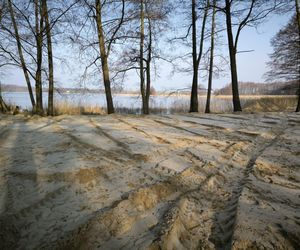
(298, 15)
(211, 63)
(298, 19)
(1, 10)
(3, 106)
(142, 78)
(196, 59)
(50, 60)
(39, 48)
(104, 61)
(20, 51)
(232, 55)
(148, 68)
(194, 91)
(298, 105)
(147, 94)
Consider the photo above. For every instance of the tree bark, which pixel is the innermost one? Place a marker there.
(142, 78)
(194, 91)
(148, 68)
(20, 52)
(211, 63)
(39, 48)
(50, 60)
(104, 60)
(3, 106)
(2, 7)
(298, 19)
(196, 58)
(232, 55)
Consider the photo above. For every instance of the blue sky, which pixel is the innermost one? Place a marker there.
(251, 66)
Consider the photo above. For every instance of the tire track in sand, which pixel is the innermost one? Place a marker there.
(225, 220)
(151, 136)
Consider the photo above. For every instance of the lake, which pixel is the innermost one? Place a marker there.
(121, 101)
(159, 104)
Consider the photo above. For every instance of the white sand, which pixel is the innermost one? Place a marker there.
(127, 182)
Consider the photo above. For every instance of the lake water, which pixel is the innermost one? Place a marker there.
(159, 104)
(121, 101)
(125, 103)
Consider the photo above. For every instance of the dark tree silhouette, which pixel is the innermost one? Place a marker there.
(298, 22)
(211, 60)
(196, 55)
(285, 59)
(240, 14)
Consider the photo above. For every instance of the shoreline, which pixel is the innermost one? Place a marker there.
(158, 95)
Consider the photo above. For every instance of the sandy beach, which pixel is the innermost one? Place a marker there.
(191, 181)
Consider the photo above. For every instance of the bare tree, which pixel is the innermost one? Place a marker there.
(211, 59)
(196, 55)
(39, 27)
(50, 58)
(285, 59)
(298, 22)
(20, 52)
(148, 64)
(104, 52)
(29, 25)
(3, 106)
(145, 109)
(148, 14)
(232, 53)
(141, 50)
(245, 13)
(97, 29)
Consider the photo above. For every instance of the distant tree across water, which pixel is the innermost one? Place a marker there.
(252, 88)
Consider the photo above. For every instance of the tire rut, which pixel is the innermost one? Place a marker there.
(124, 148)
(99, 152)
(177, 127)
(113, 139)
(225, 220)
(151, 136)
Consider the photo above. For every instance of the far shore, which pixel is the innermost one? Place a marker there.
(171, 94)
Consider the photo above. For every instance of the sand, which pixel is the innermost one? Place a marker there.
(190, 181)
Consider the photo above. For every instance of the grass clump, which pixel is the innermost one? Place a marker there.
(270, 104)
(67, 108)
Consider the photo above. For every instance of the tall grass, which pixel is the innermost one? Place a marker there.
(219, 104)
(69, 108)
(223, 104)
(270, 104)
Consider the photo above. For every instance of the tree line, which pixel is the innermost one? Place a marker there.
(114, 37)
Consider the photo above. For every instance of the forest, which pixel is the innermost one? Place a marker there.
(112, 39)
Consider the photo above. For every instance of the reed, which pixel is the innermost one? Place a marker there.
(219, 104)
(69, 108)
